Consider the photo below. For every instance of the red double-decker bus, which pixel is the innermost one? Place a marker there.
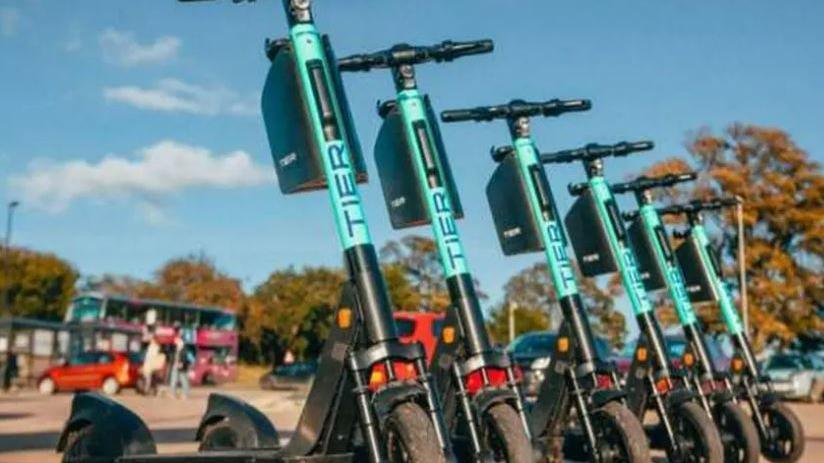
(212, 332)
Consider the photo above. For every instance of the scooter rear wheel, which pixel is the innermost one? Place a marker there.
(410, 436)
(742, 444)
(504, 435)
(619, 435)
(697, 434)
(787, 442)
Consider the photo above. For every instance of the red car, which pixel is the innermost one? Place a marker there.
(107, 371)
(423, 327)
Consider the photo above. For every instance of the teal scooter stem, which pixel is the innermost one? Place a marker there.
(476, 382)
(780, 431)
(600, 241)
(526, 220)
(660, 270)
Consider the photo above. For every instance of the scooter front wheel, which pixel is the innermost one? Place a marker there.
(505, 436)
(741, 441)
(620, 437)
(697, 435)
(410, 436)
(786, 443)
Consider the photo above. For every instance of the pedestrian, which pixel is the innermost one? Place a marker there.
(153, 361)
(180, 366)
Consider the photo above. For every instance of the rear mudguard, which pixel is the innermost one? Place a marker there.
(112, 429)
(256, 430)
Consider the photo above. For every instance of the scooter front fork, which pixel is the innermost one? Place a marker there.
(472, 424)
(368, 421)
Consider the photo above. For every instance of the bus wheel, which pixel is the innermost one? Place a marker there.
(110, 386)
(505, 436)
(410, 436)
(786, 443)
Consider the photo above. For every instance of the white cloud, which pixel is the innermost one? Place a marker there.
(173, 95)
(122, 49)
(9, 21)
(154, 173)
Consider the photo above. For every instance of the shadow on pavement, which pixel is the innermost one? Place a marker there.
(48, 440)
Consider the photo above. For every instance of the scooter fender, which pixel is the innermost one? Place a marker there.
(390, 396)
(602, 397)
(258, 431)
(488, 397)
(111, 430)
(679, 396)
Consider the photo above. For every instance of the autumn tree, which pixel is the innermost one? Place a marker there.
(292, 310)
(783, 215)
(36, 284)
(537, 308)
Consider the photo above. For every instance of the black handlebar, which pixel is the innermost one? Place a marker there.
(409, 54)
(594, 151)
(515, 109)
(644, 183)
(696, 206)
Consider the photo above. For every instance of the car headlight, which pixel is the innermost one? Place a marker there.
(540, 363)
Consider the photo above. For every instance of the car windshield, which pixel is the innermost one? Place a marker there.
(405, 327)
(533, 342)
(783, 362)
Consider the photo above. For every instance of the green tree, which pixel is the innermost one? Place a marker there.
(783, 214)
(416, 259)
(37, 284)
(537, 308)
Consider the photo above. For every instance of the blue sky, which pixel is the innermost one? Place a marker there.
(131, 133)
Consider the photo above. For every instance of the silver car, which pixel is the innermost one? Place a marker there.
(796, 376)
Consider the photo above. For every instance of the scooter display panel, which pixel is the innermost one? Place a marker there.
(652, 274)
(589, 236)
(394, 158)
(697, 277)
(508, 197)
(290, 131)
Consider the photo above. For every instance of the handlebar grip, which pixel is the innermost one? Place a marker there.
(449, 49)
(354, 63)
(576, 189)
(630, 215)
(458, 115)
(681, 234)
(624, 148)
(557, 107)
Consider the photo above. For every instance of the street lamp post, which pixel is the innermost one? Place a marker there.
(7, 254)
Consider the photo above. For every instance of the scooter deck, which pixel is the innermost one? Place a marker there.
(237, 456)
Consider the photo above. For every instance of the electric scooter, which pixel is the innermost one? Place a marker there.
(659, 270)
(314, 146)
(780, 431)
(483, 408)
(577, 379)
(600, 242)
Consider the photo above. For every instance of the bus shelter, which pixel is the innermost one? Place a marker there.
(28, 347)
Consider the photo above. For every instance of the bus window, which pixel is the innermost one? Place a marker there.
(217, 320)
(84, 309)
(117, 310)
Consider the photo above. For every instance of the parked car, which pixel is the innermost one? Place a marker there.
(795, 375)
(289, 376)
(532, 352)
(106, 371)
(676, 346)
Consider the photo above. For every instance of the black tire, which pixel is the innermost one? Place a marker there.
(504, 435)
(76, 448)
(697, 434)
(620, 435)
(410, 437)
(220, 436)
(787, 444)
(740, 436)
